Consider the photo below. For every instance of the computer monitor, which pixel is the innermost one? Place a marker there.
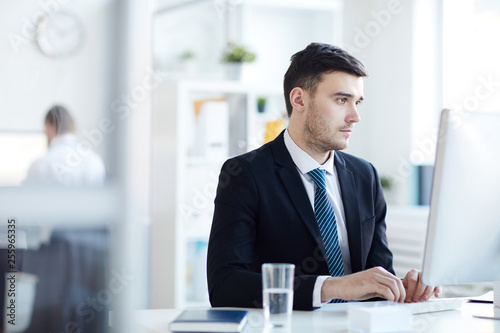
(18, 150)
(463, 236)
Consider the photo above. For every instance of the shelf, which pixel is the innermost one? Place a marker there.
(204, 161)
(224, 86)
(330, 5)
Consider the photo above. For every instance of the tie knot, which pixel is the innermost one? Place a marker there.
(318, 175)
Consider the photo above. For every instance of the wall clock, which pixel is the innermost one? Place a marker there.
(60, 35)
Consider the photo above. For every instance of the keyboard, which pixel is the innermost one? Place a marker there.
(435, 305)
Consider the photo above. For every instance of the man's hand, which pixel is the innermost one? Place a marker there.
(416, 291)
(374, 282)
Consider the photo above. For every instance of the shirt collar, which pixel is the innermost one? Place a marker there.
(303, 160)
(62, 139)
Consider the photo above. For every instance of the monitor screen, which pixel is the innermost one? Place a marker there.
(463, 236)
(17, 151)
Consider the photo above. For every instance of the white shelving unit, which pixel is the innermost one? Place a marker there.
(184, 183)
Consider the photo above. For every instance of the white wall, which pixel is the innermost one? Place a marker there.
(381, 33)
(276, 33)
(198, 28)
(31, 82)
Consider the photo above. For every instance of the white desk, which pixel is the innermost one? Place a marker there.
(333, 318)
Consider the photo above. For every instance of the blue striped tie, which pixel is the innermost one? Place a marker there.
(327, 224)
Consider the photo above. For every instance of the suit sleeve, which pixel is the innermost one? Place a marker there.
(234, 280)
(379, 254)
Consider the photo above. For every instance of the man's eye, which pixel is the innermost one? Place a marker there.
(358, 102)
(341, 100)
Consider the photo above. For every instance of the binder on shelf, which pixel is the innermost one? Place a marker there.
(273, 129)
(212, 128)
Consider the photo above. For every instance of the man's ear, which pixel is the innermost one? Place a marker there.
(297, 99)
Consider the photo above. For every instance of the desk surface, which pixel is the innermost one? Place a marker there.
(333, 318)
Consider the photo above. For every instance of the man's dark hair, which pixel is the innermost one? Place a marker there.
(60, 119)
(308, 66)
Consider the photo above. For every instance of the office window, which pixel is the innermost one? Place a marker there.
(455, 65)
(471, 69)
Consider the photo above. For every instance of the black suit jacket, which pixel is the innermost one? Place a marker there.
(263, 214)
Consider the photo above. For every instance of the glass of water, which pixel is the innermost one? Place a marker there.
(277, 293)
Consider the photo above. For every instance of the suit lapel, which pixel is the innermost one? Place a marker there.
(351, 210)
(295, 189)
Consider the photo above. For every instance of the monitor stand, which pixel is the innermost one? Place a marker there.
(496, 293)
(491, 312)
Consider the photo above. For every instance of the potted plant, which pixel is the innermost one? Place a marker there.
(237, 53)
(234, 56)
(261, 104)
(387, 183)
(188, 62)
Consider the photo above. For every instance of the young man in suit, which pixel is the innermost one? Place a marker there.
(269, 204)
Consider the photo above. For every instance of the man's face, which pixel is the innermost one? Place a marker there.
(331, 112)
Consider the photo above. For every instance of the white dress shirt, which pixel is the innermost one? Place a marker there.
(68, 161)
(305, 163)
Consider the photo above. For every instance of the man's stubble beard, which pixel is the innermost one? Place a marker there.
(317, 133)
